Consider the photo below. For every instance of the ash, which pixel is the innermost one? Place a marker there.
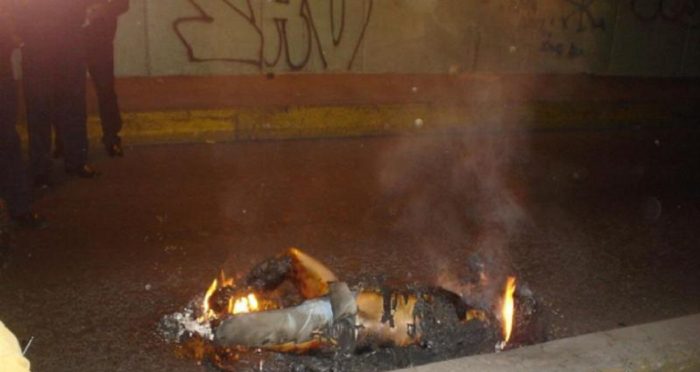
(182, 325)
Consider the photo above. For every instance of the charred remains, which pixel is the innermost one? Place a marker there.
(319, 323)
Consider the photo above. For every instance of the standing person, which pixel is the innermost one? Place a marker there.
(99, 49)
(54, 84)
(13, 179)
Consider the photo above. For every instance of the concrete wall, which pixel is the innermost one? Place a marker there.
(230, 37)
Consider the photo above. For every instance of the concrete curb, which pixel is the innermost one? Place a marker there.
(670, 345)
(292, 122)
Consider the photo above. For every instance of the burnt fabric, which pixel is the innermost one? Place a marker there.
(99, 50)
(54, 80)
(13, 181)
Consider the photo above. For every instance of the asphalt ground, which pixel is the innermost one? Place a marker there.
(601, 225)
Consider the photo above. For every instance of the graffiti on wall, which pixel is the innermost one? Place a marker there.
(580, 18)
(558, 28)
(677, 11)
(289, 34)
(561, 49)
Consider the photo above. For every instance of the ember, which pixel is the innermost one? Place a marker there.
(327, 315)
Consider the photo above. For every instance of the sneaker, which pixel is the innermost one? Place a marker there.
(84, 171)
(115, 150)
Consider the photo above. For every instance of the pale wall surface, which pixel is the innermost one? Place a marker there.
(229, 37)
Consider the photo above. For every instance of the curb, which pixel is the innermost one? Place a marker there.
(670, 345)
(297, 122)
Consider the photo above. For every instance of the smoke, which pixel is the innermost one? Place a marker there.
(460, 198)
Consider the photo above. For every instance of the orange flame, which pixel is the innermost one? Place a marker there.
(508, 309)
(206, 311)
(245, 304)
(220, 282)
(224, 281)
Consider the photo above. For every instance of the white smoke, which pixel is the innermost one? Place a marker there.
(456, 195)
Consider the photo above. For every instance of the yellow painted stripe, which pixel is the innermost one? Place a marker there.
(352, 121)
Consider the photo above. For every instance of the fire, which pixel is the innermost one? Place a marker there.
(207, 313)
(220, 282)
(508, 309)
(236, 305)
(245, 304)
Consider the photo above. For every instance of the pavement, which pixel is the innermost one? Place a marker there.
(600, 224)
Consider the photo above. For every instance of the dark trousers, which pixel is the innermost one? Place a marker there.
(99, 50)
(54, 87)
(13, 179)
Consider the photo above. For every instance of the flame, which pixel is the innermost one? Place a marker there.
(508, 309)
(207, 313)
(224, 281)
(220, 282)
(245, 304)
(253, 302)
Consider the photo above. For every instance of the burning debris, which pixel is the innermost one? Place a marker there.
(507, 311)
(291, 310)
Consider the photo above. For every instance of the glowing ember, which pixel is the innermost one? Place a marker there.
(508, 309)
(244, 304)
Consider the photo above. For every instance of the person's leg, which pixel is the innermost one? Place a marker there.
(36, 71)
(69, 102)
(14, 188)
(100, 60)
(13, 179)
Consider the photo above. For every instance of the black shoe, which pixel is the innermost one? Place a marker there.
(115, 150)
(30, 220)
(42, 181)
(84, 171)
